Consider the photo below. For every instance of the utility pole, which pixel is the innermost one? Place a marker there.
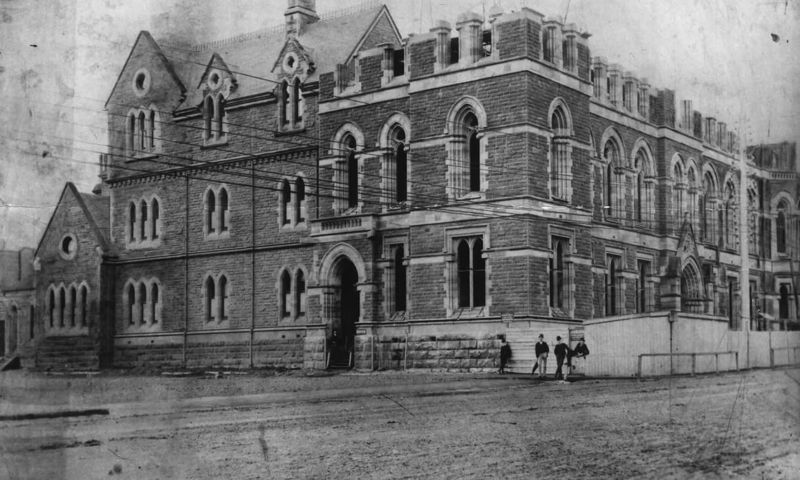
(744, 240)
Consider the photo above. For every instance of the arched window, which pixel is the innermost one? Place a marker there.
(691, 183)
(557, 275)
(286, 198)
(142, 143)
(300, 294)
(73, 303)
(223, 210)
(352, 171)
(783, 302)
(131, 303)
(84, 306)
(780, 227)
(473, 152)
(142, 302)
(300, 198)
(677, 195)
(611, 281)
(708, 217)
(151, 132)
(155, 225)
(223, 298)
(399, 280)
(51, 307)
(209, 116)
(641, 207)
(559, 155)
(143, 220)
(401, 166)
(285, 293)
(154, 303)
(211, 208)
(471, 274)
(210, 299)
(285, 99)
(611, 153)
(220, 118)
(132, 222)
(62, 304)
(131, 140)
(297, 114)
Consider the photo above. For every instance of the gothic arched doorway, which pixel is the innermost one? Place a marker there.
(691, 290)
(348, 302)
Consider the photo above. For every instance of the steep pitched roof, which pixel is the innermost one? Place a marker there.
(96, 210)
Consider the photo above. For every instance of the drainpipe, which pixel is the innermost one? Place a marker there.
(186, 275)
(673, 314)
(252, 258)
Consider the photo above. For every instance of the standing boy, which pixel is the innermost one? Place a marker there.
(542, 350)
(505, 354)
(561, 351)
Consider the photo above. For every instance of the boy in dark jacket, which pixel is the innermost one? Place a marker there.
(561, 350)
(542, 350)
(580, 350)
(505, 354)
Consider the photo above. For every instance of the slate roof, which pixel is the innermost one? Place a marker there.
(251, 57)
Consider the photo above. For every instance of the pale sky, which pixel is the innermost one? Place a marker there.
(59, 60)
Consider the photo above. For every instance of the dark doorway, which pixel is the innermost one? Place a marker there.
(2, 339)
(349, 308)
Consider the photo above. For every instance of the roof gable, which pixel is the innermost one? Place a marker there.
(144, 45)
(94, 210)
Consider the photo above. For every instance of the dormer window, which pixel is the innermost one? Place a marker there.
(214, 119)
(291, 105)
(141, 129)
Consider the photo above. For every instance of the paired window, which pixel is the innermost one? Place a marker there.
(144, 221)
(142, 132)
(217, 213)
(292, 294)
(292, 202)
(215, 292)
(560, 155)
(291, 104)
(142, 300)
(612, 200)
(471, 273)
(214, 119)
(466, 163)
(707, 209)
(68, 307)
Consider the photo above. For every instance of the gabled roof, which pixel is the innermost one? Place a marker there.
(143, 39)
(96, 210)
(251, 57)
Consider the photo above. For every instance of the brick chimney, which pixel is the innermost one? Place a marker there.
(300, 14)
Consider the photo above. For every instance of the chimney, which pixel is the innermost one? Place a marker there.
(300, 14)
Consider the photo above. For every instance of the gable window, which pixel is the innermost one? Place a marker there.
(73, 303)
(84, 305)
(560, 153)
(214, 119)
(209, 116)
(284, 100)
(141, 135)
(471, 273)
(51, 307)
(62, 304)
(297, 100)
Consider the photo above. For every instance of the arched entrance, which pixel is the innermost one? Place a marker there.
(692, 299)
(347, 310)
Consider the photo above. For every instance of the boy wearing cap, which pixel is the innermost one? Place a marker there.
(541, 356)
(561, 351)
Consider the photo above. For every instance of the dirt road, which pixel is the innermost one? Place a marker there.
(738, 425)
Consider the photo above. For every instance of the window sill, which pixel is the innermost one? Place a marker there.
(472, 196)
(139, 156)
(143, 327)
(290, 130)
(218, 236)
(143, 244)
(470, 312)
(214, 142)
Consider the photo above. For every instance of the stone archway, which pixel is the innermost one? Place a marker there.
(692, 298)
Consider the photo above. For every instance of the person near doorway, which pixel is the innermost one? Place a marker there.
(580, 351)
(541, 350)
(561, 350)
(505, 355)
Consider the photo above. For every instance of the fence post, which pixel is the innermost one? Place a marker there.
(737, 360)
(639, 368)
(771, 357)
(716, 362)
(694, 361)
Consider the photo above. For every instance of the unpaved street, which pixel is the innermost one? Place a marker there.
(394, 425)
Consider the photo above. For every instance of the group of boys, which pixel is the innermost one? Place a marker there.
(542, 350)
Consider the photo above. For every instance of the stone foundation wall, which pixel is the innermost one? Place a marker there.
(459, 353)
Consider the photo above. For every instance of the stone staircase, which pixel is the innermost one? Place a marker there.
(67, 353)
(522, 336)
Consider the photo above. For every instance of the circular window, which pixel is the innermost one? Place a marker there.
(141, 82)
(68, 247)
(290, 63)
(214, 79)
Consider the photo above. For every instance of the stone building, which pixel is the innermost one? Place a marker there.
(17, 326)
(332, 192)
